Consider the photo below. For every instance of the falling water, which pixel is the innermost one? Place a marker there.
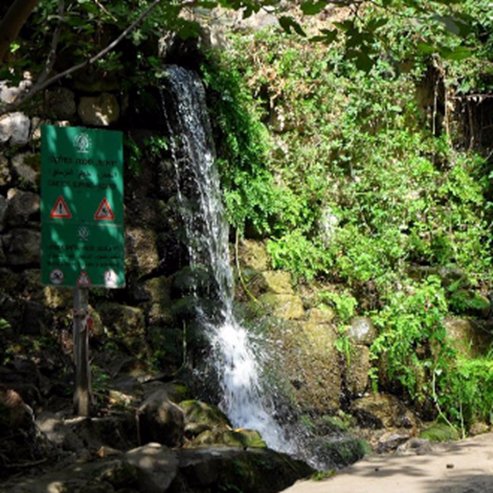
(207, 237)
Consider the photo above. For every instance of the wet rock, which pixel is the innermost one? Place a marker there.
(14, 128)
(382, 411)
(278, 282)
(26, 167)
(102, 110)
(60, 103)
(201, 417)
(284, 306)
(357, 369)
(362, 331)
(243, 439)
(22, 247)
(309, 361)
(22, 207)
(161, 420)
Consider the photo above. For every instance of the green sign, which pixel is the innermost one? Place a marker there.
(82, 235)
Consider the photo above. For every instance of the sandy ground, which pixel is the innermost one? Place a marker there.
(460, 467)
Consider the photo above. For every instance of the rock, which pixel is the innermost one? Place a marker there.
(382, 411)
(327, 225)
(478, 428)
(160, 420)
(357, 370)
(391, 440)
(3, 210)
(22, 247)
(465, 338)
(284, 306)
(8, 94)
(308, 360)
(22, 207)
(253, 255)
(278, 282)
(15, 414)
(248, 471)
(142, 252)
(157, 467)
(200, 416)
(60, 103)
(35, 318)
(417, 446)
(322, 315)
(158, 290)
(243, 439)
(4, 171)
(26, 167)
(126, 323)
(102, 110)
(14, 127)
(339, 452)
(362, 331)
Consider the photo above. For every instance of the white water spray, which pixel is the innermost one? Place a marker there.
(233, 351)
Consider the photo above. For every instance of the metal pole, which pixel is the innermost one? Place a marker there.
(82, 394)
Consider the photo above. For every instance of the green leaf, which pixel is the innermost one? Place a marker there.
(289, 25)
(457, 54)
(311, 7)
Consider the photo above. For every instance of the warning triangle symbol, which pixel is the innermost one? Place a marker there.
(104, 212)
(60, 210)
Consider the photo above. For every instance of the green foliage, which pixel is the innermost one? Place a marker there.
(412, 340)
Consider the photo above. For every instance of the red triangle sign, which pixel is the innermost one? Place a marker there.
(104, 212)
(60, 210)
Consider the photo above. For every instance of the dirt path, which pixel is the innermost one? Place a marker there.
(460, 467)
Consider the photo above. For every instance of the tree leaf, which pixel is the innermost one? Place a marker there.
(289, 25)
(312, 7)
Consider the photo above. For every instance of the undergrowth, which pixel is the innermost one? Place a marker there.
(341, 172)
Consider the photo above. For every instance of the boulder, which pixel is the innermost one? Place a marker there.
(3, 210)
(241, 438)
(22, 207)
(278, 282)
(357, 369)
(308, 360)
(126, 323)
(160, 420)
(468, 341)
(142, 252)
(233, 469)
(200, 417)
(102, 110)
(4, 171)
(26, 167)
(60, 103)
(284, 306)
(22, 247)
(321, 315)
(157, 467)
(14, 127)
(382, 411)
(158, 291)
(253, 255)
(362, 331)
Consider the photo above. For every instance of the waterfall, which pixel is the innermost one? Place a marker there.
(199, 198)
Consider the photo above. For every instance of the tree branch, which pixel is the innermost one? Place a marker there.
(42, 84)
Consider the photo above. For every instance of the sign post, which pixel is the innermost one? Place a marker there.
(82, 235)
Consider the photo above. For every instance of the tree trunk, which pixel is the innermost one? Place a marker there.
(12, 23)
